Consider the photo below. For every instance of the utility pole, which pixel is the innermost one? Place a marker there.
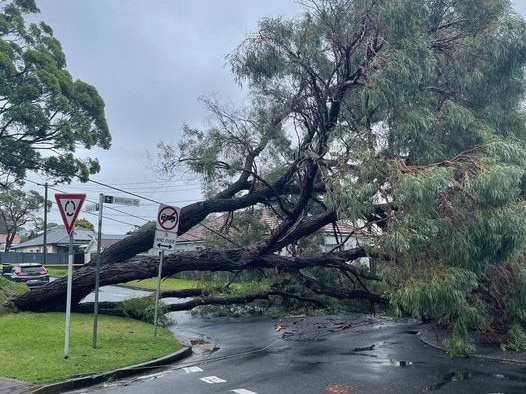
(97, 272)
(45, 225)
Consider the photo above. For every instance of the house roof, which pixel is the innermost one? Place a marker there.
(106, 240)
(59, 236)
(195, 234)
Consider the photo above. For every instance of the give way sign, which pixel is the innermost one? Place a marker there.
(69, 206)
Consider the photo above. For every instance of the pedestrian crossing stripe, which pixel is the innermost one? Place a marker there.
(212, 379)
(192, 369)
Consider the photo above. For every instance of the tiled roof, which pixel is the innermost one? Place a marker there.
(59, 236)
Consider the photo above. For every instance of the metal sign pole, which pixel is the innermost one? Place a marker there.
(68, 298)
(97, 273)
(157, 293)
(69, 206)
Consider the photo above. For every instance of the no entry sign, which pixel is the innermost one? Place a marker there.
(168, 218)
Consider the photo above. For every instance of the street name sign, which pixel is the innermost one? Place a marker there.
(92, 207)
(69, 206)
(122, 200)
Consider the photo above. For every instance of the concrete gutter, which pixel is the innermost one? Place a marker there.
(91, 380)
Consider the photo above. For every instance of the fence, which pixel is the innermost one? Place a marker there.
(52, 258)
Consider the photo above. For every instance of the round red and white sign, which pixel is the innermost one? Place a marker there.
(168, 218)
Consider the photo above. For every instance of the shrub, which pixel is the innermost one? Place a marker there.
(144, 309)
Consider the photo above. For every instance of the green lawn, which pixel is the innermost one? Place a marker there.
(180, 284)
(176, 283)
(32, 347)
(56, 272)
(151, 283)
(168, 284)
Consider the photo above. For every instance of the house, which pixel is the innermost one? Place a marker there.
(3, 241)
(57, 241)
(107, 240)
(192, 240)
(344, 235)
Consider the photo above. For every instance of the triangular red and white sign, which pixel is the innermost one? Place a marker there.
(69, 206)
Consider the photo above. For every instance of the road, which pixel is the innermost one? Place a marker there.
(354, 354)
(115, 294)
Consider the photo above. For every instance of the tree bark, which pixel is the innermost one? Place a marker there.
(52, 297)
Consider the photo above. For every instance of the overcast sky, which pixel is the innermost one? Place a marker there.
(151, 60)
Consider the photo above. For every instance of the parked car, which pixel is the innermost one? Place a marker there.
(32, 274)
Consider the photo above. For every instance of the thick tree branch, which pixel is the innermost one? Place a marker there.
(53, 295)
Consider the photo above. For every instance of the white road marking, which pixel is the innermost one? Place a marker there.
(243, 391)
(192, 369)
(212, 379)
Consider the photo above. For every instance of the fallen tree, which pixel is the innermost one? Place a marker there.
(402, 122)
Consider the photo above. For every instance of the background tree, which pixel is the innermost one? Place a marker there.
(39, 227)
(17, 209)
(44, 115)
(84, 223)
(402, 118)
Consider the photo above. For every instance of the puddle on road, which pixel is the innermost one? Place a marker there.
(395, 363)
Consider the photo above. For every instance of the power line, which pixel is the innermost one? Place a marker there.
(89, 213)
(132, 194)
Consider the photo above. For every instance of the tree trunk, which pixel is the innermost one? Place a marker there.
(52, 297)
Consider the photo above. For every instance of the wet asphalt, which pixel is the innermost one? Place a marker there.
(351, 354)
(324, 354)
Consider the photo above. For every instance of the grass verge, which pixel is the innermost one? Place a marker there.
(33, 345)
(166, 284)
(182, 284)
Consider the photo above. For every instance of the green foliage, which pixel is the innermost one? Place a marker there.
(516, 298)
(144, 309)
(18, 208)
(44, 109)
(441, 296)
(423, 187)
(9, 289)
(407, 116)
(84, 223)
(240, 228)
(497, 185)
(444, 298)
(458, 345)
(145, 227)
(517, 338)
(493, 235)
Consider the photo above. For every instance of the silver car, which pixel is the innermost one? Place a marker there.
(32, 274)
